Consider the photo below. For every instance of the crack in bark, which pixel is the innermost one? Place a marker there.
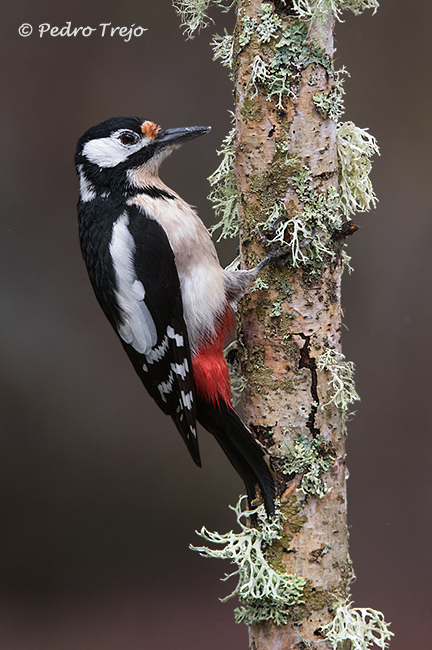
(308, 362)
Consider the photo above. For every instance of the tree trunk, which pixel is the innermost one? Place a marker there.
(292, 318)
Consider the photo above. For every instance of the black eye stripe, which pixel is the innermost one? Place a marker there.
(128, 137)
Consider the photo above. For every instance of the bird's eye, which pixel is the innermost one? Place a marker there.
(128, 137)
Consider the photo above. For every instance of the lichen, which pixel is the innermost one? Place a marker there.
(224, 193)
(355, 147)
(259, 285)
(269, 23)
(248, 29)
(293, 53)
(223, 49)
(361, 626)
(320, 9)
(279, 73)
(311, 458)
(265, 593)
(331, 104)
(193, 13)
(308, 233)
(258, 76)
(284, 293)
(341, 381)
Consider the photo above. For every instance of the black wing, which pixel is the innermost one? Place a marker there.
(165, 369)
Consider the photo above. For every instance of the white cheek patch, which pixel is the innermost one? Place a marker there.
(137, 327)
(110, 152)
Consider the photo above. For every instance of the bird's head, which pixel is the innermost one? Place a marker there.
(114, 154)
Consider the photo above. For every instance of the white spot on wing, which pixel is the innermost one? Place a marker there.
(178, 338)
(165, 387)
(187, 399)
(157, 353)
(180, 369)
(137, 327)
(193, 432)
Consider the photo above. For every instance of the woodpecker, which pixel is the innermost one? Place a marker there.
(156, 275)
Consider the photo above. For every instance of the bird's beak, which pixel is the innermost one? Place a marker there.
(168, 137)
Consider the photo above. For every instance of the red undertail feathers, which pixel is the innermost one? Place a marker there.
(210, 371)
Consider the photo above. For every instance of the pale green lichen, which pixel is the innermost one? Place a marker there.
(316, 223)
(355, 147)
(223, 49)
(285, 292)
(292, 54)
(320, 9)
(249, 26)
(278, 72)
(224, 193)
(265, 593)
(311, 458)
(346, 262)
(361, 626)
(307, 234)
(269, 23)
(341, 380)
(193, 13)
(258, 75)
(331, 103)
(259, 285)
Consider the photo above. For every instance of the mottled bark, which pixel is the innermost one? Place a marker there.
(279, 347)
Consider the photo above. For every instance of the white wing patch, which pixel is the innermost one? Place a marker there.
(137, 327)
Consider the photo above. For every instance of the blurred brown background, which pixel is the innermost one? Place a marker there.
(98, 497)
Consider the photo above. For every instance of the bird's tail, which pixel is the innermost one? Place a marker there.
(241, 448)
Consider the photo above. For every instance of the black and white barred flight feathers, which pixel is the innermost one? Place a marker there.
(156, 275)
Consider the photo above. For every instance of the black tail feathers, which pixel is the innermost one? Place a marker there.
(241, 448)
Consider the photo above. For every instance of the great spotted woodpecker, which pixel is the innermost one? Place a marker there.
(156, 275)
